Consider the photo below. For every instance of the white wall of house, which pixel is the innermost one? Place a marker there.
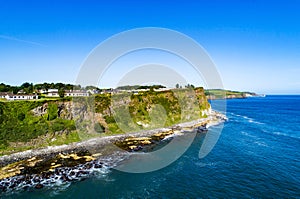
(52, 94)
(52, 90)
(75, 94)
(19, 97)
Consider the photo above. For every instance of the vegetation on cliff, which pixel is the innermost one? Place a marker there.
(29, 124)
(19, 124)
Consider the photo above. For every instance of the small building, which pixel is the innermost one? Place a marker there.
(161, 89)
(76, 93)
(52, 93)
(93, 91)
(21, 92)
(42, 91)
(52, 90)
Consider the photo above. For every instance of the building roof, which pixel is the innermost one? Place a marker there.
(75, 91)
(6, 93)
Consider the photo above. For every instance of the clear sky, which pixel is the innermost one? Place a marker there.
(254, 44)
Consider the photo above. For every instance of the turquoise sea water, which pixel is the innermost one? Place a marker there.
(256, 156)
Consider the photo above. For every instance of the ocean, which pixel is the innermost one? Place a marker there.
(257, 156)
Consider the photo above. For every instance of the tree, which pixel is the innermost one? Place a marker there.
(15, 89)
(25, 85)
(190, 86)
(76, 87)
(177, 85)
(61, 93)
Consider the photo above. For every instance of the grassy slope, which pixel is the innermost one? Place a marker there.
(18, 124)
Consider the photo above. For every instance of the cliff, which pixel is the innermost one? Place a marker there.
(31, 124)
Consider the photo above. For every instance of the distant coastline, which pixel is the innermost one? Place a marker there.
(213, 94)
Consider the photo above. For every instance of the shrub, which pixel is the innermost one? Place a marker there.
(52, 111)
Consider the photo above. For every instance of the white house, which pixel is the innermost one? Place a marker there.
(93, 91)
(21, 92)
(68, 93)
(11, 96)
(52, 93)
(76, 93)
(42, 91)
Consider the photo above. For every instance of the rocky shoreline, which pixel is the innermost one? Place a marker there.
(61, 164)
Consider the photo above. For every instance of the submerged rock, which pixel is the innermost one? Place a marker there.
(39, 186)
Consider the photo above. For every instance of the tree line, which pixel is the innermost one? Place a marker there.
(29, 88)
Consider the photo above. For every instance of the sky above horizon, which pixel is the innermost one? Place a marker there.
(255, 45)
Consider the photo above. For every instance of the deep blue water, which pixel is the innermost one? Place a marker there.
(256, 156)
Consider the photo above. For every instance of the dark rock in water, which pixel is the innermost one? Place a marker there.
(39, 186)
(18, 181)
(202, 129)
(82, 179)
(84, 173)
(65, 178)
(26, 187)
(36, 179)
(27, 177)
(97, 166)
(138, 148)
(28, 182)
(2, 188)
(72, 173)
(89, 165)
(46, 175)
(13, 185)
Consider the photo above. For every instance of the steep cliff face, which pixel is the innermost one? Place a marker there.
(64, 110)
(105, 113)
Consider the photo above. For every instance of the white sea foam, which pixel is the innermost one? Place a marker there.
(206, 164)
(285, 135)
(256, 122)
(247, 134)
(248, 119)
(260, 143)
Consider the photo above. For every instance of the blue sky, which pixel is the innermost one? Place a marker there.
(254, 44)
